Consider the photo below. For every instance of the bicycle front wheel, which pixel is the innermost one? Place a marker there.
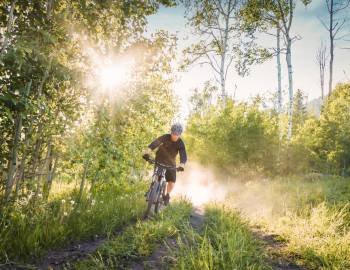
(152, 198)
(159, 199)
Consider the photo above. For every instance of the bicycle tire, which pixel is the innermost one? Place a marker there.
(152, 197)
(156, 207)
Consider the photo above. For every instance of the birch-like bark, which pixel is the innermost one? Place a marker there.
(45, 168)
(331, 48)
(12, 162)
(49, 6)
(279, 81)
(321, 59)
(50, 175)
(83, 179)
(38, 142)
(9, 27)
(224, 52)
(286, 24)
(279, 72)
(290, 88)
(21, 169)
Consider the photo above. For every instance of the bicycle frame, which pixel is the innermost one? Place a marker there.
(157, 187)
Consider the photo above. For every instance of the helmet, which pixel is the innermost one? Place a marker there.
(176, 129)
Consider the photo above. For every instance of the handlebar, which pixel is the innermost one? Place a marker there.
(152, 161)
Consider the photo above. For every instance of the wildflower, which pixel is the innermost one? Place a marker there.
(40, 195)
(93, 202)
(65, 214)
(72, 202)
(63, 201)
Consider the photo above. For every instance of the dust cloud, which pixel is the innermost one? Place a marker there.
(200, 185)
(251, 196)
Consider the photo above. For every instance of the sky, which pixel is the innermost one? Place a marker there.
(263, 77)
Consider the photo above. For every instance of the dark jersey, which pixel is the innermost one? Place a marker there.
(168, 150)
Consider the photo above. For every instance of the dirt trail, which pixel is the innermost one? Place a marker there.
(58, 258)
(273, 246)
(161, 257)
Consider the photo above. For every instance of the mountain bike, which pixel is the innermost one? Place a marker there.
(154, 195)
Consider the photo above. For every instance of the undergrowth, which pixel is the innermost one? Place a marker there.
(140, 240)
(310, 213)
(29, 229)
(224, 243)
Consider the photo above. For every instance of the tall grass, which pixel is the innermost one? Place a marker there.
(224, 243)
(311, 213)
(140, 240)
(29, 229)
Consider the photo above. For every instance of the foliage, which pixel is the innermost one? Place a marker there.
(225, 242)
(28, 230)
(325, 142)
(140, 240)
(245, 136)
(237, 136)
(56, 125)
(309, 213)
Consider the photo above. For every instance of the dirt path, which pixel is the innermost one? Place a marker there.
(273, 246)
(161, 257)
(58, 258)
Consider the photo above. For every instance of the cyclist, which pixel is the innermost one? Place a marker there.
(169, 145)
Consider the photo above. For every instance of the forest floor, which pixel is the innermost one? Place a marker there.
(273, 246)
(161, 257)
(181, 233)
(57, 259)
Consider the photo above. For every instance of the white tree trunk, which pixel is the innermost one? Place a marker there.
(279, 82)
(331, 48)
(44, 168)
(49, 6)
(9, 27)
(290, 87)
(279, 72)
(20, 175)
(223, 54)
(83, 179)
(12, 163)
(50, 175)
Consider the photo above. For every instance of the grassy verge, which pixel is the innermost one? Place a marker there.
(29, 230)
(312, 214)
(224, 243)
(140, 240)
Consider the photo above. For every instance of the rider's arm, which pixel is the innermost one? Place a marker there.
(153, 145)
(183, 155)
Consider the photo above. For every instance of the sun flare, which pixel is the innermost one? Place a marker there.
(112, 75)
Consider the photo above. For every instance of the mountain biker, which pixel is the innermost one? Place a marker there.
(169, 145)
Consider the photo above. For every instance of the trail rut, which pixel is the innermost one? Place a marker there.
(273, 245)
(56, 259)
(161, 257)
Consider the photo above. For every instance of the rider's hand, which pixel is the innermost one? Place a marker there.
(180, 169)
(146, 156)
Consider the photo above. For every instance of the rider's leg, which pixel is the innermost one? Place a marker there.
(170, 177)
(170, 186)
